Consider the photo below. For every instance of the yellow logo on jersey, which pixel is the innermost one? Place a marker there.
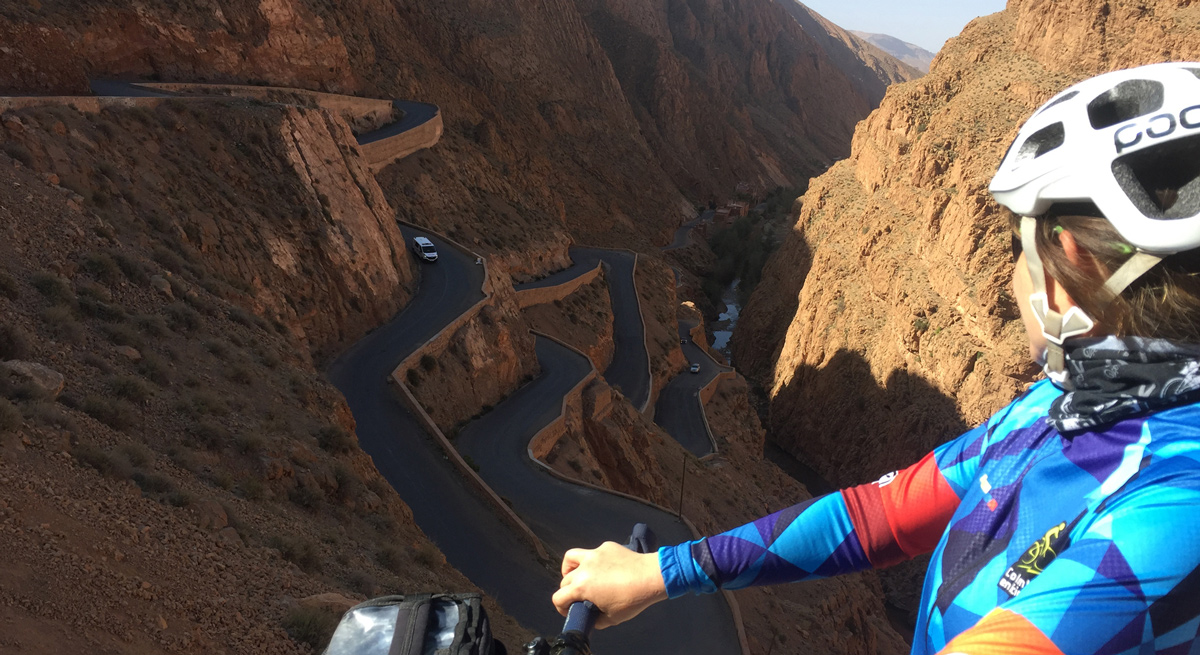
(1035, 560)
(1041, 552)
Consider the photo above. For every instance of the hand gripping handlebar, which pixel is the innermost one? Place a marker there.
(581, 616)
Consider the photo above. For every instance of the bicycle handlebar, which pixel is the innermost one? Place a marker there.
(581, 616)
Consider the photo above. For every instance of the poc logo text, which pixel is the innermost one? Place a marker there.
(1156, 127)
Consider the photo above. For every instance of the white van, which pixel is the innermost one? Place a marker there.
(423, 249)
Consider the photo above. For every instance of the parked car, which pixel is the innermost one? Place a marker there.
(695, 367)
(423, 249)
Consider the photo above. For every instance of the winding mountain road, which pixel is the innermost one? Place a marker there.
(563, 514)
(567, 515)
(415, 115)
(465, 526)
(679, 410)
(630, 366)
(684, 232)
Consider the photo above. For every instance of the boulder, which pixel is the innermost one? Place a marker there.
(330, 602)
(230, 536)
(161, 285)
(130, 353)
(45, 383)
(211, 515)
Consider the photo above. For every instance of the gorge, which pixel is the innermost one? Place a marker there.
(220, 280)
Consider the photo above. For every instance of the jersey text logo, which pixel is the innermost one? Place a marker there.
(1035, 560)
(886, 479)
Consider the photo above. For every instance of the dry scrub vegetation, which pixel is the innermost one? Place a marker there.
(583, 319)
(197, 474)
(656, 291)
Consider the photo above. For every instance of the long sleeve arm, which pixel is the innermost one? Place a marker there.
(899, 516)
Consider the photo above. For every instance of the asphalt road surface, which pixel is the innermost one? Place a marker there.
(630, 366)
(446, 507)
(684, 231)
(415, 113)
(566, 515)
(678, 409)
(126, 90)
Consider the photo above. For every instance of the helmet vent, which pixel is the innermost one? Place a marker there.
(1041, 142)
(1125, 101)
(1163, 181)
(1065, 97)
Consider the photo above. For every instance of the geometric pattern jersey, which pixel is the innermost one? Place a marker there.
(1041, 542)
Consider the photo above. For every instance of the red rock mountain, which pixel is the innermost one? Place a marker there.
(913, 55)
(602, 120)
(888, 307)
(184, 264)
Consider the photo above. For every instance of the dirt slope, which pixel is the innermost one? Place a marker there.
(605, 122)
(191, 477)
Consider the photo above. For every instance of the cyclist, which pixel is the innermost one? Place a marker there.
(1070, 521)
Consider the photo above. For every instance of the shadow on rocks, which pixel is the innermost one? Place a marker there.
(851, 430)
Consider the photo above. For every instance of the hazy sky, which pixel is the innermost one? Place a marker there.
(927, 23)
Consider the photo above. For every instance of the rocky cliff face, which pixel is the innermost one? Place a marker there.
(884, 324)
(565, 120)
(313, 248)
(189, 471)
(869, 68)
(729, 84)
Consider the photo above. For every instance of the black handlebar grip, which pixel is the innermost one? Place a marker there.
(581, 616)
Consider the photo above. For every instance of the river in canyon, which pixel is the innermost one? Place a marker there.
(722, 328)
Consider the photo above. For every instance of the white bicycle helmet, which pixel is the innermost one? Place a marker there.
(1114, 140)
(1126, 142)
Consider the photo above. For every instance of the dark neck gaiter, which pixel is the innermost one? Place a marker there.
(1120, 377)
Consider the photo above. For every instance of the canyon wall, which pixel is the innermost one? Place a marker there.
(595, 122)
(177, 458)
(472, 367)
(885, 325)
(285, 217)
(870, 70)
(729, 84)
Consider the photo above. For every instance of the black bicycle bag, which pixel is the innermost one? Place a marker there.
(416, 624)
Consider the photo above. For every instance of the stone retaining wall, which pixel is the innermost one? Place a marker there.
(542, 295)
(547, 438)
(363, 114)
(440, 341)
(385, 151)
(709, 389)
(84, 104)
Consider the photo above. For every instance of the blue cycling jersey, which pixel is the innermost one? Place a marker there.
(1041, 542)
